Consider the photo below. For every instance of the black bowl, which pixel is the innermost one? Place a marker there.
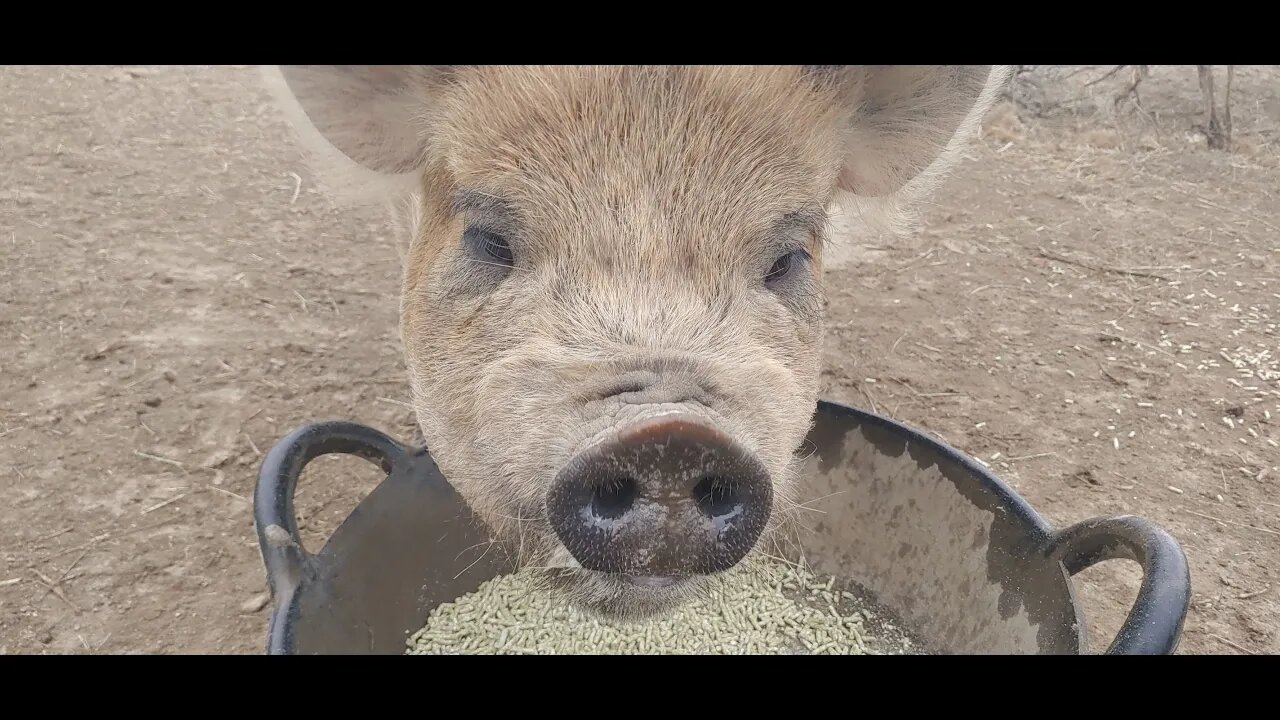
(928, 532)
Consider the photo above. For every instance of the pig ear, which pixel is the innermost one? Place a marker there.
(908, 125)
(362, 126)
(905, 118)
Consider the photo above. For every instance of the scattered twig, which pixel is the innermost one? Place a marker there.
(72, 566)
(401, 403)
(1228, 643)
(170, 501)
(1132, 272)
(1031, 457)
(906, 385)
(10, 581)
(894, 347)
(145, 377)
(912, 262)
(297, 187)
(1230, 522)
(1254, 594)
(157, 458)
(980, 288)
(53, 535)
(103, 351)
(874, 407)
(53, 587)
(1113, 71)
(1139, 343)
(1073, 73)
(1111, 377)
(234, 495)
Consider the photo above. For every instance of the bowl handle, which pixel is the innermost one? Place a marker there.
(285, 559)
(1154, 625)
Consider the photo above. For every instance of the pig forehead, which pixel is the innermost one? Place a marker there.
(727, 145)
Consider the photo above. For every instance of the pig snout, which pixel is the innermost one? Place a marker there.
(664, 498)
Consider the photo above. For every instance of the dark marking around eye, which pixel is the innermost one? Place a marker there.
(489, 221)
(796, 230)
(491, 245)
(780, 268)
(785, 266)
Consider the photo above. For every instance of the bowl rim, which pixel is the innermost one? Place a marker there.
(1004, 492)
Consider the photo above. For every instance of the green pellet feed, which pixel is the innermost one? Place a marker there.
(766, 608)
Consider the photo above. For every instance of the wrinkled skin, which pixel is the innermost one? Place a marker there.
(588, 247)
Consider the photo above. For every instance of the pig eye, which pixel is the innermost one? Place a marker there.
(782, 267)
(492, 245)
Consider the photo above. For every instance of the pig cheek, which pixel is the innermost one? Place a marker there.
(451, 333)
(793, 341)
(791, 346)
(499, 409)
(442, 365)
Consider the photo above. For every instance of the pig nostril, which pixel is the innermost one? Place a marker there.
(613, 498)
(716, 497)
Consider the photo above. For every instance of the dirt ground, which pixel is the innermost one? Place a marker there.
(1092, 309)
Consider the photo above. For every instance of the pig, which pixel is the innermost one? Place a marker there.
(612, 292)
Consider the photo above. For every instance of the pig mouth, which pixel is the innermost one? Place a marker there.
(653, 582)
(623, 597)
(637, 585)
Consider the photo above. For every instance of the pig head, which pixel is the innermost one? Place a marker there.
(612, 288)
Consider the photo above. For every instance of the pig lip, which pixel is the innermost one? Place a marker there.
(652, 582)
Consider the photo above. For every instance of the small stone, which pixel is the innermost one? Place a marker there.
(152, 402)
(130, 73)
(255, 603)
(217, 459)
